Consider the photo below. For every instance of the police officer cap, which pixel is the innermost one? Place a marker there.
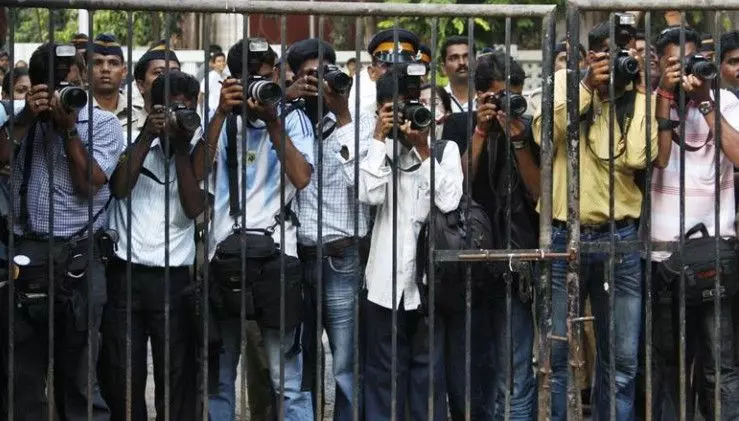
(382, 46)
(424, 54)
(307, 49)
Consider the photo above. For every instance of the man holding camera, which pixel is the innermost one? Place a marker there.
(155, 173)
(254, 226)
(342, 269)
(53, 133)
(699, 121)
(630, 143)
(411, 166)
(490, 176)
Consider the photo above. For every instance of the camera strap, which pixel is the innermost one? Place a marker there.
(232, 166)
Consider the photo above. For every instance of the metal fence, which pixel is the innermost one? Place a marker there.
(544, 255)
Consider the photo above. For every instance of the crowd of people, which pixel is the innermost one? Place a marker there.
(296, 239)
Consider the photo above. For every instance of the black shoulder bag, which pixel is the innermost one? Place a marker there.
(263, 262)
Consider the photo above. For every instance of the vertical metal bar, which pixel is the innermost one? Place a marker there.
(319, 229)
(573, 206)
(717, 225)
(394, 344)
(509, 188)
(545, 214)
(11, 224)
(242, 190)
(167, 219)
(206, 218)
(357, 119)
(472, 66)
(129, 220)
(646, 219)
(610, 277)
(283, 216)
(90, 142)
(682, 363)
(50, 377)
(430, 273)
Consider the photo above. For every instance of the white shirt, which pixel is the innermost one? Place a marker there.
(460, 106)
(262, 181)
(367, 94)
(214, 89)
(338, 191)
(376, 188)
(148, 223)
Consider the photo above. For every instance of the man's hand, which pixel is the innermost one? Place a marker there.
(38, 100)
(518, 128)
(385, 121)
(486, 112)
(62, 117)
(671, 74)
(302, 87)
(232, 96)
(417, 138)
(697, 89)
(599, 71)
(266, 113)
(155, 122)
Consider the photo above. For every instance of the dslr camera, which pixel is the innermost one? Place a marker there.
(339, 81)
(700, 66)
(72, 97)
(409, 85)
(258, 88)
(500, 100)
(183, 118)
(626, 68)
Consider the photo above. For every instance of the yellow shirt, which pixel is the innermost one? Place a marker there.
(629, 150)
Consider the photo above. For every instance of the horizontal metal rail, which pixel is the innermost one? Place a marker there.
(295, 7)
(637, 5)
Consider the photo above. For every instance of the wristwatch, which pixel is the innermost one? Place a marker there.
(705, 107)
(70, 133)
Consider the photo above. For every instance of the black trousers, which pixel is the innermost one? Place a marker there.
(148, 323)
(71, 355)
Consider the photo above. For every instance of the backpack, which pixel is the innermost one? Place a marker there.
(451, 232)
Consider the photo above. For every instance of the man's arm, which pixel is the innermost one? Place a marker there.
(297, 169)
(448, 180)
(122, 182)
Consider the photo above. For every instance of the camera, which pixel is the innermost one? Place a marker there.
(338, 81)
(263, 90)
(518, 103)
(409, 85)
(700, 66)
(626, 68)
(72, 97)
(183, 118)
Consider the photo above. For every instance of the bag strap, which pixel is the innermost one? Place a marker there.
(27, 164)
(421, 266)
(232, 166)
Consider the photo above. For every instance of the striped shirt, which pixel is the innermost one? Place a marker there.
(699, 180)
(70, 209)
(148, 222)
(263, 174)
(338, 191)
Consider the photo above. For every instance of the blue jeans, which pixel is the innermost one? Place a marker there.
(488, 361)
(342, 277)
(627, 311)
(297, 404)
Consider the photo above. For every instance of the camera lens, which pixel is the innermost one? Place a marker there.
(702, 67)
(626, 65)
(73, 97)
(518, 105)
(266, 92)
(419, 116)
(338, 81)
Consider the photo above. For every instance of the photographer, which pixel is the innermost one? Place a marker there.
(490, 175)
(260, 220)
(413, 206)
(54, 124)
(166, 140)
(699, 121)
(630, 155)
(342, 270)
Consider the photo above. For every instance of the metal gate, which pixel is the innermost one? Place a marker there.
(544, 254)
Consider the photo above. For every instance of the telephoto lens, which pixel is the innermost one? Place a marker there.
(72, 97)
(518, 104)
(701, 67)
(263, 90)
(417, 113)
(182, 117)
(338, 81)
(626, 67)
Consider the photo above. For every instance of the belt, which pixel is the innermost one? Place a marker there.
(334, 248)
(596, 229)
(117, 261)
